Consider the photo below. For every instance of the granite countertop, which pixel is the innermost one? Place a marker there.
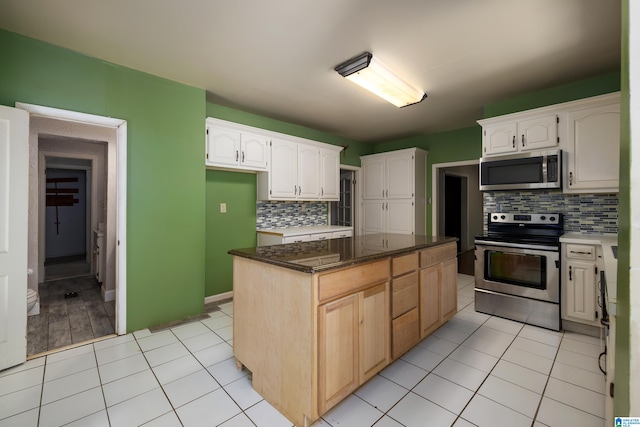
(309, 229)
(316, 256)
(609, 260)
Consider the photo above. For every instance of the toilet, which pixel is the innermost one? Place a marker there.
(32, 299)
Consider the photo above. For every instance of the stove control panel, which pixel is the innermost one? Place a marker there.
(524, 218)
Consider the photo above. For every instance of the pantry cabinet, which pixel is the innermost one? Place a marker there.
(593, 148)
(394, 192)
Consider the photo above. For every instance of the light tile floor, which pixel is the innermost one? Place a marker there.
(475, 370)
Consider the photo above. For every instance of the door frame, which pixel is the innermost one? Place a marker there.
(435, 190)
(120, 126)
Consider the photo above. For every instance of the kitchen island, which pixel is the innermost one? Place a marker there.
(313, 321)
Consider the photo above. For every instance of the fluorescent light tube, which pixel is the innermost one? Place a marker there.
(367, 71)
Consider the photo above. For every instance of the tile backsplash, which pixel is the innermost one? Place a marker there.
(583, 213)
(290, 214)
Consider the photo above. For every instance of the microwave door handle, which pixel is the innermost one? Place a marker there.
(545, 169)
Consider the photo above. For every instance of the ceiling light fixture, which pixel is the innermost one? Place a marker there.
(373, 75)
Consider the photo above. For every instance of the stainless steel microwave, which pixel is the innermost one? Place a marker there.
(522, 171)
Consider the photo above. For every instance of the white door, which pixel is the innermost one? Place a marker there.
(14, 191)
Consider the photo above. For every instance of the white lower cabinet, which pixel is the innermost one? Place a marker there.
(580, 278)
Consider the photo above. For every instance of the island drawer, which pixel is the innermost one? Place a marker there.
(404, 264)
(438, 254)
(404, 294)
(345, 281)
(405, 333)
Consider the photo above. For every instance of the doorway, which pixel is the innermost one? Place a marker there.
(457, 208)
(93, 147)
(67, 218)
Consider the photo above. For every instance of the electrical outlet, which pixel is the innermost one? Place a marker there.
(223, 208)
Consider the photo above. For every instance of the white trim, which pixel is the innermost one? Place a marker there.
(434, 187)
(218, 297)
(121, 210)
(109, 295)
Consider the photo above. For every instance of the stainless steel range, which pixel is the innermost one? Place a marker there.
(518, 268)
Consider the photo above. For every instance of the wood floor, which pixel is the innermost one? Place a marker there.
(65, 319)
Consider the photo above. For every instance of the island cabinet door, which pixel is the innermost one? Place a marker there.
(449, 288)
(338, 330)
(430, 279)
(375, 322)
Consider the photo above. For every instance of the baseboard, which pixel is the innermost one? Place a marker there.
(108, 295)
(218, 297)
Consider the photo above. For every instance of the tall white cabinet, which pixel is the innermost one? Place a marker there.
(394, 192)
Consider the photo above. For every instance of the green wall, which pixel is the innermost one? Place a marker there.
(237, 228)
(165, 173)
(593, 86)
(621, 404)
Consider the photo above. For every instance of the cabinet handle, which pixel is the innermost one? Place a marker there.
(523, 139)
(295, 190)
(322, 238)
(236, 155)
(382, 193)
(387, 193)
(514, 141)
(570, 271)
(299, 190)
(570, 178)
(243, 157)
(580, 252)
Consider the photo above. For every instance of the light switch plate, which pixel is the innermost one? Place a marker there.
(223, 208)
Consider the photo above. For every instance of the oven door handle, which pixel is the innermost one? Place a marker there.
(517, 245)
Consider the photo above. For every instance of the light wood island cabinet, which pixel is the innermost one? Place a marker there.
(312, 335)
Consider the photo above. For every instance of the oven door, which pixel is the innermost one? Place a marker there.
(528, 271)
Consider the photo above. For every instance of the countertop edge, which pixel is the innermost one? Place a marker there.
(340, 264)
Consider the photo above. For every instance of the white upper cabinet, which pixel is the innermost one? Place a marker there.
(586, 130)
(593, 149)
(288, 167)
(329, 174)
(308, 172)
(518, 132)
(232, 148)
(282, 177)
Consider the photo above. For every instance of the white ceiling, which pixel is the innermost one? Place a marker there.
(276, 58)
